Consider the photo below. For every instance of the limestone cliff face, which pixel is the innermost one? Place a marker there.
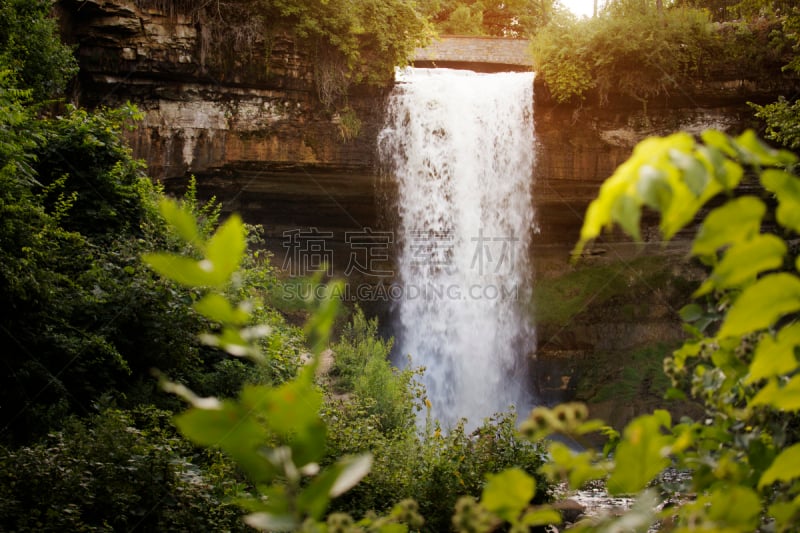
(580, 145)
(218, 106)
(239, 109)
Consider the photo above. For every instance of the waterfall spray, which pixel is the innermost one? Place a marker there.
(460, 147)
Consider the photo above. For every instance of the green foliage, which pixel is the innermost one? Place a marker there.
(82, 316)
(361, 365)
(349, 124)
(464, 20)
(783, 121)
(677, 176)
(60, 294)
(84, 152)
(731, 10)
(515, 18)
(295, 490)
(741, 358)
(637, 51)
(637, 54)
(456, 464)
(30, 48)
(559, 51)
(116, 471)
(18, 133)
(435, 468)
(351, 41)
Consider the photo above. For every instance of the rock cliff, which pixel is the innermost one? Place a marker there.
(238, 109)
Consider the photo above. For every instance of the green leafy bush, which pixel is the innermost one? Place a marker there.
(740, 360)
(642, 53)
(514, 18)
(31, 50)
(783, 116)
(361, 365)
(116, 471)
(81, 315)
(434, 468)
(83, 157)
(350, 42)
(783, 121)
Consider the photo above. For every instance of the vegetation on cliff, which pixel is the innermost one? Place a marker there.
(350, 41)
(639, 51)
(515, 18)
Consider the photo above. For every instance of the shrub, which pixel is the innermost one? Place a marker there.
(117, 471)
(434, 468)
(31, 50)
(740, 359)
(644, 54)
(362, 366)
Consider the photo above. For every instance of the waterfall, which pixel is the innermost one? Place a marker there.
(459, 146)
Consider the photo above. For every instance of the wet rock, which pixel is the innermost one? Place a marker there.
(571, 510)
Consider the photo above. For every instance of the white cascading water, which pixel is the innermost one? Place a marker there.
(460, 147)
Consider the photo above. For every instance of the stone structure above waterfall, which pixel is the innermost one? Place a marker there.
(482, 54)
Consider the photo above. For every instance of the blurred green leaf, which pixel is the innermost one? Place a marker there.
(225, 249)
(755, 152)
(216, 307)
(744, 261)
(355, 468)
(694, 172)
(320, 324)
(760, 305)
(786, 397)
(691, 312)
(653, 188)
(507, 493)
(541, 517)
(775, 356)
(578, 468)
(787, 189)
(315, 497)
(231, 429)
(719, 141)
(784, 513)
(736, 221)
(627, 213)
(785, 467)
(641, 455)
(184, 270)
(182, 220)
(271, 522)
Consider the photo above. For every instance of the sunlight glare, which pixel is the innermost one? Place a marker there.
(579, 7)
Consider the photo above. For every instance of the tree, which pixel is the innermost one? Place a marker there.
(31, 50)
(512, 18)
